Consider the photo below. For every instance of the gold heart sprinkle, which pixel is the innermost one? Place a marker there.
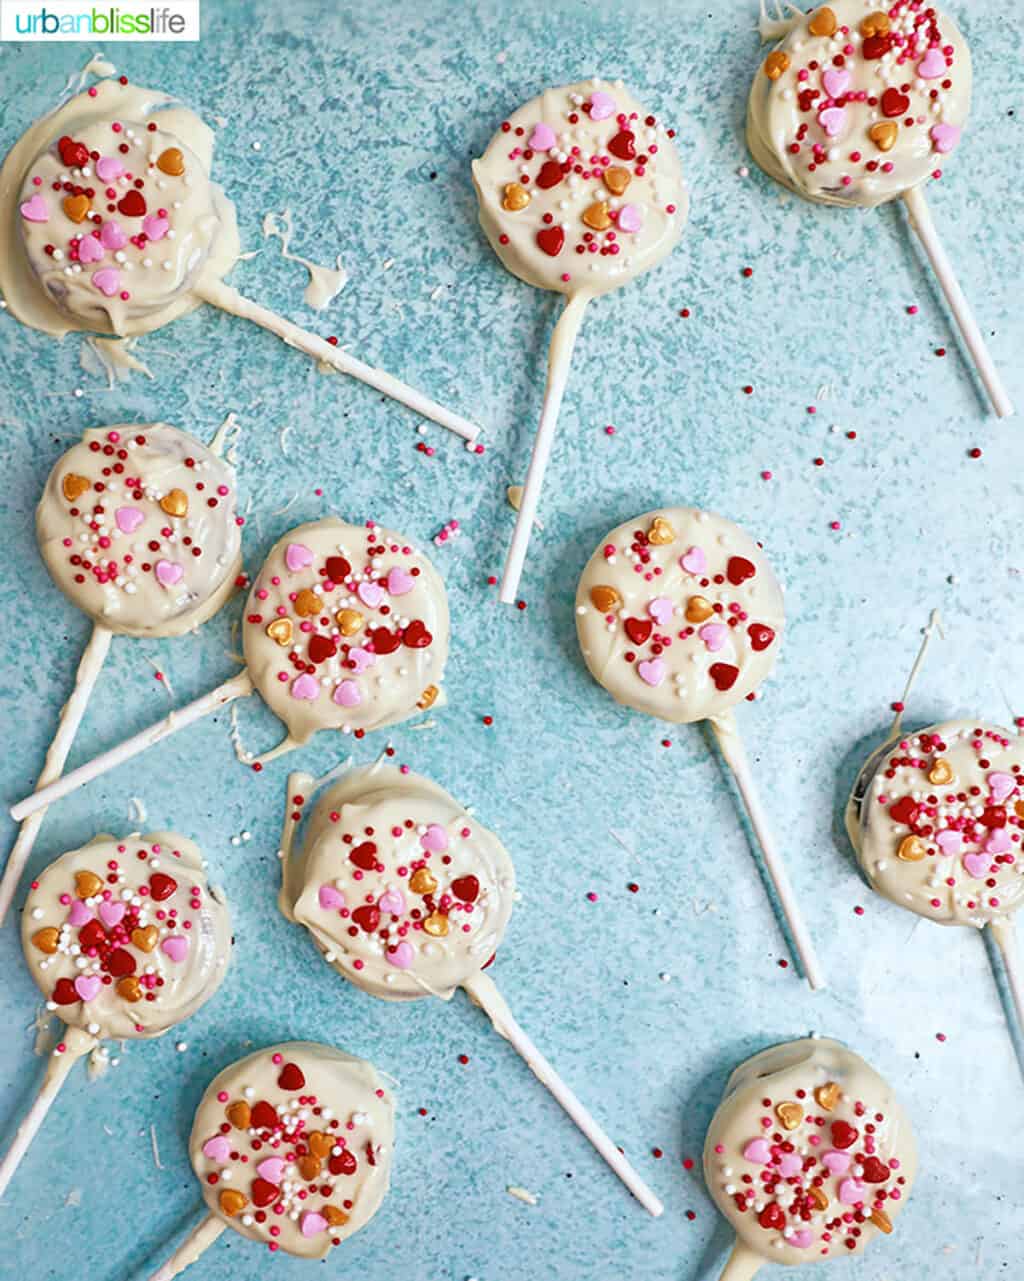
(912, 849)
(87, 884)
(145, 938)
(171, 162)
(790, 1114)
(428, 698)
(129, 989)
(77, 207)
(308, 603)
(881, 1220)
(280, 630)
(46, 940)
(75, 486)
(436, 924)
(940, 772)
(516, 197)
(617, 179)
(660, 532)
(823, 23)
(597, 216)
(698, 608)
(875, 24)
(232, 1202)
(309, 1167)
(818, 1196)
(239, 1114)
(422, 881)
(335, 1217)
(349, 621)
(605, 599)
(775, 64)
(175, 503)
(884, 134)
(320, 1144)
(827, 1095)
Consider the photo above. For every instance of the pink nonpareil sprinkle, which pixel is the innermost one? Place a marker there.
(591, 897)
(609, 430)
(766, 475)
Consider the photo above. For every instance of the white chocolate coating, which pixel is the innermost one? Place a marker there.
(693, 599)
(124, 936)
(850, 1151)
(404, 892)
(316, 1127)
(874, 125)
(150, 242)
(145, 569)
(943, 836)
(356, 651)
(561, 150)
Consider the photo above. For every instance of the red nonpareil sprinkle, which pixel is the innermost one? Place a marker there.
(422, 1111)
(819, 462)
(858, 910)
(912, 310)
(609, 430)
(940, 1036)
(766, 475)
(591, 897)
(158, 676)
(940, 351)
(783, 963)
(492, 580)
(685, 313)
(257, 768)
(687, 1162)
(748, 272)
(691, 1215)
(333, 340)
(487, 720)
(851, 435)
(834, 524)
(520, 604)
(633, 887)
(812, 409)
(897, 706)
(463, 1059)
(748, 390)
(666, 742)
(657, 1153)
(974, 453)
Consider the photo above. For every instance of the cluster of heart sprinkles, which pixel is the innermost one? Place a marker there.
(292, 1147)
(138, 527)
(942, 824)
(123, 937)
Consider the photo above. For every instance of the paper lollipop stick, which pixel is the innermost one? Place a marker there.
(292, 1147)
(792, 1164)
(1003, 935)
(140, 235)
(679, 615)
(417, 909)
(137, 526)
(855, 108)
(580, 191)
(346, 628)
(125, 940)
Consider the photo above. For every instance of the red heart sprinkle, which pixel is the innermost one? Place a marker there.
(132, 204)
(73, 154)
(64, 993)
(551, 240)
(724, 675)
(416, 635)
(343, 1163)
(875, 1171)
(739, 570)
(761, 636)
(384, 642)
(291, 1077)
(772, 1216)
(905, 811)
(639, 630)
(993, 816)
(263, 1193)
(338, 569)
(321, 648)
(466, 888)
(264, 1116)
(92, 934)
(844, 1135)
(367, 917)
(874, 47)
(894, 103)
(623, 145)
(161, 886)
(551, 174)
(364, 856)
(120, 963)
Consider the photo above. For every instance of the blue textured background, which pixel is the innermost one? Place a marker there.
(366, 126)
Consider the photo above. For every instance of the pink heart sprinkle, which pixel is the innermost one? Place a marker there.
(694, 561)
(108, 168)
(297, 556)
(1001, 786)
(218, 1149)
(949, 842)
(331, 898)
(79, 913)
(789, 1164)
(168, 572)
(272, 1169)
(801, 1238)
(651, 671)
(112, 236)
(631, 218)
(998, 841)
(107, 281)
(361, 659)
(176, 947)
(714, 636)
(370, 594)
(832, 120)
(402, 957)
(851, 1192)
(111, 914)
(347, 695)
(601, 105)
(933, 64)
(836, 82)
(660, 609)
(36, 209)
(155, 227)
(392, 902)
(399, 582)
(757, 1151)
(977, 865)
(836, 1162)
(90, 249)
(945, 138)
(543, 138)
(313, 1224)
(435, 839)
(128, 518)
(88, 986)
(305, 687)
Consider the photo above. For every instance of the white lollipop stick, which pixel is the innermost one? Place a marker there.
(70, 718)
(731, 746)
(921, 222)
(1005, 941)
(563, 340)
(76, 1044)
(741, 1264)
(229, 299)
(202, 1236)
(482, 992)
(237, 687)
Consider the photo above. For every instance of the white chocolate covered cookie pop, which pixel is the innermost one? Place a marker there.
(346, 628)
(857, 105)
(580, 191)
(138, 527)
(125, 940)
(810, 1156)
(679, 615)
(292, 1147)
(407, 895)
(111, 223)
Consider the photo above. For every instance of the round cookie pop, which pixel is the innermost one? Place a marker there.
(679, 615)
(407, 895)
(346, 628)
(126, 940)
(858, 105)
(292, 1147)
(580, 191)
(138, 527)
(809, 1156)
(113, 225)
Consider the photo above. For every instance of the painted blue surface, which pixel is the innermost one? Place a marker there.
(367, 117)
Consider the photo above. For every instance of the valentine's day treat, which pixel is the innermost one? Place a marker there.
(292, 1147)
(138, 527)
(856, 105)
(114, 226)
(125, 940)
(679, 615)
(407, 895)
(346, 628)
(580, 191)
(810, 1156)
